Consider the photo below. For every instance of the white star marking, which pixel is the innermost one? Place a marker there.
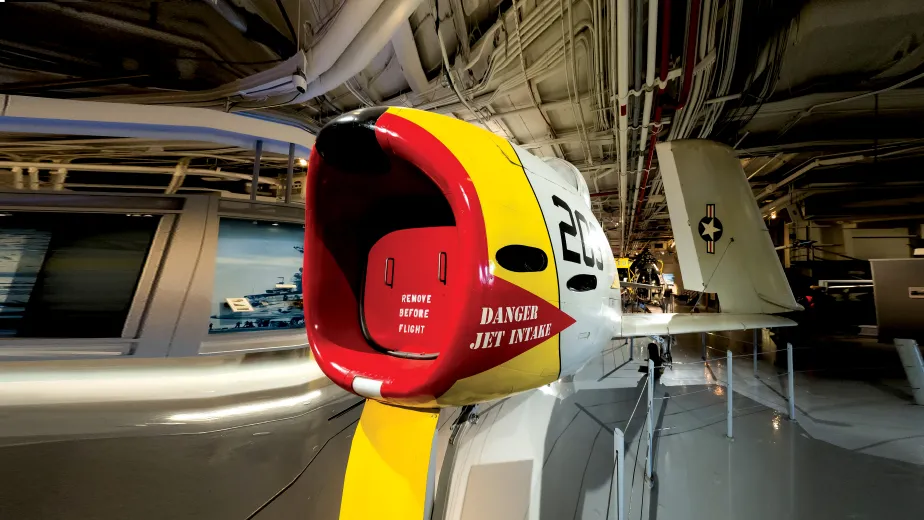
(710, 229)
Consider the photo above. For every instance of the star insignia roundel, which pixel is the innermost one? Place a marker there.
(710, 228)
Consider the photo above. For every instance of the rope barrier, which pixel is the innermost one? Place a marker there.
(635, 470)
(642, 393)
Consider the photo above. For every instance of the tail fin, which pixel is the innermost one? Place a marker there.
(722, 241)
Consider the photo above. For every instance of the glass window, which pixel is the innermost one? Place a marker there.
(70, 275)
(258, 277)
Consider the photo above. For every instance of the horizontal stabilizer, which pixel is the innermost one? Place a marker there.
(722, 241)
(634, 325)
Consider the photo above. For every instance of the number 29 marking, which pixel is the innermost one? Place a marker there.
(595, 259)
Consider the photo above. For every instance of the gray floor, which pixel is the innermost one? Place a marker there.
(773, 468)
(228, 470)
(129, 460)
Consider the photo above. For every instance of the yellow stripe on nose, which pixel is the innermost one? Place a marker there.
(512, 216)
(388, 469)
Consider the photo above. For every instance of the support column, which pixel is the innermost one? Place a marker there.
(756, 349)
(58, 178)
(730, 392)
(33, 179)
(290, 173)
(651, 376)
(702, 338)
(619, 479)
(914, 366)
(255, 181)
(17, 178)
(792, 385)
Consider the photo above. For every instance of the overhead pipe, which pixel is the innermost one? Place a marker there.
(409, 57)
(638, 46)
(702, 73)
(622, 85)
(646, 111)
(351, 21)
(368, 42)
(810, 166)
(127, 168)
(533, 25)
(689, 60)
(229, 13)
(663, 75)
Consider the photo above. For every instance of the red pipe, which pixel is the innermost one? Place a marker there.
(688, 63)
(665, 55)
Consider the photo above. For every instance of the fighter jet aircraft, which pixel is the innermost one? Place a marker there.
(445, 266)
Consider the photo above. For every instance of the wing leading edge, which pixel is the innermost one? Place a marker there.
(634, 325)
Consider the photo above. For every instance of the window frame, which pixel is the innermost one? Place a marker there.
(170, 210)
(199, 341)
(166, 318)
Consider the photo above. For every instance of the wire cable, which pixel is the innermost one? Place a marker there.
(645, 380)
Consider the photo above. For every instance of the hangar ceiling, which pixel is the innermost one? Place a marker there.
(821, 99)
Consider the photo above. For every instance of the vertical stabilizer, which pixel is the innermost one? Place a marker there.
(722, 241)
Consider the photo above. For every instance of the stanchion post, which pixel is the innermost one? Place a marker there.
(619, 446)
(702, 339)
(792, 385)
(730, 391)
(631, 349)
(651, 376)
(914, 366)
(756, 349)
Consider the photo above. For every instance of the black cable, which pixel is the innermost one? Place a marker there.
(282, 11)
(300, 473)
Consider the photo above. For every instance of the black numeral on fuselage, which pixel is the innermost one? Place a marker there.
(595, 259)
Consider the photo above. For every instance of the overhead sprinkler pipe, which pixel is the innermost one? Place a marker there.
(351, 21)
(360, 52)
(409, 57)
(663, 73)
(689, 61)
(649, 95)
(622, 86)
(810, 166)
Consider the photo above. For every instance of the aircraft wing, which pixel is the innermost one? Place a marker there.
(634, 325)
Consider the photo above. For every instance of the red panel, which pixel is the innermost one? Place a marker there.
(408, 299)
